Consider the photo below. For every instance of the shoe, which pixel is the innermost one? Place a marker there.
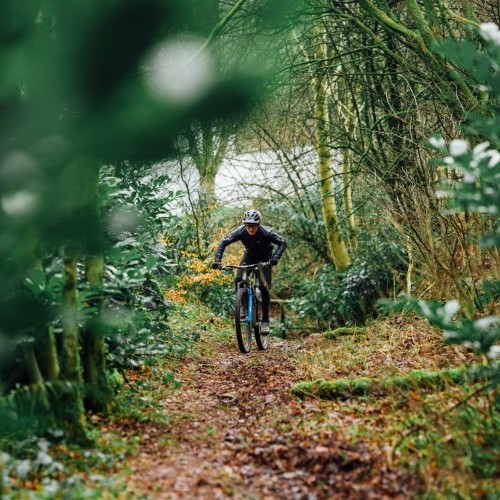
(264, 328)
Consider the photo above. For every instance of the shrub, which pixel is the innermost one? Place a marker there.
(330, 297)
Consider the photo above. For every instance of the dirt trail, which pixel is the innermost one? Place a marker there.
(236, 432)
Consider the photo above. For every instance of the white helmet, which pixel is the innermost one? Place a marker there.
(251, 217)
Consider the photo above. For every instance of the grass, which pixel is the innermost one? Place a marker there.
(389, 347)
(345, 330)
(448, 437)
(197, 320)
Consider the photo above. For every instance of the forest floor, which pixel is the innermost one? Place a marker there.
(235, 431)
(229, 427)
(207, 422)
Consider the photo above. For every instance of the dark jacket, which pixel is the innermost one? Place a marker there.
(258, 247)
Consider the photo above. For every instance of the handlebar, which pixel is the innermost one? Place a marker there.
(246, 266)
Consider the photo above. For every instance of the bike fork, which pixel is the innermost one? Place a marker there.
(249, 305)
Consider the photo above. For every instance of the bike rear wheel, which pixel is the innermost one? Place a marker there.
(261, 340)
(243, 327)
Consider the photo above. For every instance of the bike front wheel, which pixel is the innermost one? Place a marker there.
(243, 326)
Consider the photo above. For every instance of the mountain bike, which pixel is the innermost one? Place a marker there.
(248, 307)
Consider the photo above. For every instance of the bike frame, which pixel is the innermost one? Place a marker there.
(244, 304)
(247, 283)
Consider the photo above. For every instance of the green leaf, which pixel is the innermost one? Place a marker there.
(151, 263)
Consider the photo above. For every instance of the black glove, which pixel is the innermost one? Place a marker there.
(216, 265)
(273, 261)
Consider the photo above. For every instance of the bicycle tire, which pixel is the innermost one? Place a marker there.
(243, 328)
(262, 341)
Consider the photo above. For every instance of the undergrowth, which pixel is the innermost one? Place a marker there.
(387, 347)
(447, 436)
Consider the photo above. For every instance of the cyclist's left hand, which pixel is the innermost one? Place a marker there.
(273, 262)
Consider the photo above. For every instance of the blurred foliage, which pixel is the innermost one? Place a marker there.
(47, 468)
(136, 215)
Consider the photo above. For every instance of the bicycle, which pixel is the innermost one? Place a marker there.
(248, 307)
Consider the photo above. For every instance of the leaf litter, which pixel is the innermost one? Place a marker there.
(235, 431)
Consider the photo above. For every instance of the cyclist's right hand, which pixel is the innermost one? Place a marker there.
(216, 265)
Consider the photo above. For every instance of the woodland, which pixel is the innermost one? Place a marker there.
(133, 136)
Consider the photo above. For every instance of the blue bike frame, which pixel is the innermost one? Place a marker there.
(250, 305)
(251, 295)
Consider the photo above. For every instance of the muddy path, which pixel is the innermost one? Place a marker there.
(235, 431)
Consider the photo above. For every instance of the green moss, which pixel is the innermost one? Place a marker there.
(333, 389)
(345, 388)
(361, 386)
(345, 330)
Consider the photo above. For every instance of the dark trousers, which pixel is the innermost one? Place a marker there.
(266, 297)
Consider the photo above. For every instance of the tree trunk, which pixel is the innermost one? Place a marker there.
(336, 246)
(70, 409)
(46, 354)
(45, 348)
(347, 179)
(31, 366)
(98, 393)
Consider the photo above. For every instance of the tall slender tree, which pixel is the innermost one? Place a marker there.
(336, 244)
(70, 408)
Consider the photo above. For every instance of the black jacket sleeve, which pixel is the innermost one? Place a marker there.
(227, 240)
(280, 241)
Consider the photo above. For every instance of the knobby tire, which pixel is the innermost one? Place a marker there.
(243, 328)
(262, 341)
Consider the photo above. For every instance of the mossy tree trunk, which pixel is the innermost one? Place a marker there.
(45, 347)
(70, 408)
(336, 245)
(207, 145)
(98, 393)
(46, 354)
(31, 365)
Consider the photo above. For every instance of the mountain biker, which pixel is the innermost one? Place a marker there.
(258, 242)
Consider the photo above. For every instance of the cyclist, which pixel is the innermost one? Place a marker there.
(258, 242)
